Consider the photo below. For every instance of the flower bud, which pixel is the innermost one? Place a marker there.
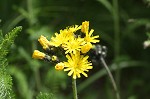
(38, 55)
(85, 27)
(59, 66)
(54, 58)
(85, 48)
(44, 42)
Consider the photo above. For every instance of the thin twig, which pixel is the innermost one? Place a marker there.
(111, 77)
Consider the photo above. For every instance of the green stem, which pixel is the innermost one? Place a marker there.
(30, 12)
(36, 70)
(30, 9)
(116, 38)
(116, 28)
(111, 78)
(74, 87)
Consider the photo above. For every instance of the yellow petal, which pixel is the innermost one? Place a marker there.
(70, 73)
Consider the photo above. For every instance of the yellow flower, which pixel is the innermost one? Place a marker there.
(89, 38)
(64, 35)
(44, 42)
(61, 38)
(85, 27)
(73, 28)
(59, 66)
(77, 64)
(73, 45)
(85, 48)
(38, 55)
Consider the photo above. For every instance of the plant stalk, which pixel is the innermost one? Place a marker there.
(116, 28)
(74, 87)
(111, 78)
(116, 39)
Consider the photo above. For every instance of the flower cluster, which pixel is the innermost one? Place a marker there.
(76, 41)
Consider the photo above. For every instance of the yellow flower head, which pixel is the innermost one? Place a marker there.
(85, 27)
(38, 55)
(61, 38)
(73, 29)
(59, 66)
(73, 45)
(77, 64)
(90, 38)
(44, 42)
(85, 48)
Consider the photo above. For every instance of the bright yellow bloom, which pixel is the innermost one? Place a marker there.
(61, 38)
(85, 48)
(38, 55)
(64, 35)
(77, 64)
(44, 42)
(59, 66)
(73, 29)
(85, 27)
(73, 45)
(91, 39)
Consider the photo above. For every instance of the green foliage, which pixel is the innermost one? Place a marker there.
(5, 85)
(5, 78)
(7, 41)
(45, 96)
(21, 80)
(148, 34)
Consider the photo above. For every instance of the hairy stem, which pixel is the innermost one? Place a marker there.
(111, 77)
(74, 87)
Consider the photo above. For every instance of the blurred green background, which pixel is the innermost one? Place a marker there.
(122, 26)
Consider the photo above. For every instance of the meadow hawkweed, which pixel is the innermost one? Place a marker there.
(77, 64)
(89, 38)
(73, 45)
(74, 42)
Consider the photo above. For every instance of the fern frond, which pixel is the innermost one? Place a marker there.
(5, 85)
(7, 41)
(5, 78)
